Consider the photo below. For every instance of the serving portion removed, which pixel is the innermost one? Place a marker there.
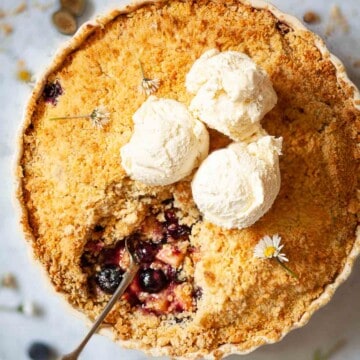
(236, 166)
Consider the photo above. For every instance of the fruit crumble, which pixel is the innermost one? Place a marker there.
(200, 292)
(164, 283)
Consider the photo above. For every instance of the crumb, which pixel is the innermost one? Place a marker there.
(7, 29)
(2, 13)
(356, 64)
(20, 9)
(336, 20)
(311, 17)
(9, 281)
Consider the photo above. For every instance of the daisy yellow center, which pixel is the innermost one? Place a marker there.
(269, 251)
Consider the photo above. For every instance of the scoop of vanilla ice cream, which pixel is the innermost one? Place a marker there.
(232, 93)
(236, 186)
(166, 145)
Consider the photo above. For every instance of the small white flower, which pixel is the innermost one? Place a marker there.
(149, 86)
(28, 308)
(99, 117)
(269, 247)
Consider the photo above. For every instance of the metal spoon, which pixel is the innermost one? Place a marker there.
(125, 282)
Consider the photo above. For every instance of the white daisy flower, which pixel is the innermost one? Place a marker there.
(269, 247)
(99, 117)
(28, 308)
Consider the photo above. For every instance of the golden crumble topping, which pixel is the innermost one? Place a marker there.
(77, 200)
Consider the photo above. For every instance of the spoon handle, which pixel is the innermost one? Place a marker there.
(127, 279)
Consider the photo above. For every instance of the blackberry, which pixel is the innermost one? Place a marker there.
(145, 252)
(52, 91)
(177, 231)
(172, 226)
(152, 281)
(109, 278)
(40, 351)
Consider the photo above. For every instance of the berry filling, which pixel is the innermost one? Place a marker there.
(52, 91)
(164, 282)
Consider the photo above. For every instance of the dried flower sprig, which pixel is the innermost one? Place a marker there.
(99, 117)
(319, 355)
(148, 86)
(269, 248)
(27, 308)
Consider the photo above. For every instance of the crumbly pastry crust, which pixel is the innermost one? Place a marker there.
(70, 178)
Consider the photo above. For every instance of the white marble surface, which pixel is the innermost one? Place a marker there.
(34, 40)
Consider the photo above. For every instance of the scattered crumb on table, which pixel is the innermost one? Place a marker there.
(8, 280)
(7, 29)
(20, 9)
(311, 17)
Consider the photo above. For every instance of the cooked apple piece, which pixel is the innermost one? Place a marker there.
(172, 254)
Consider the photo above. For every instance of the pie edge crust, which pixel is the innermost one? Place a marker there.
(74, 43)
